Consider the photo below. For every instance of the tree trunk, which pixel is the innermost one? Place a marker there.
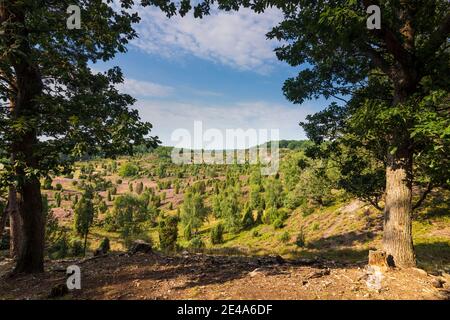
(3, 218)
(397, 233)
(397, 236)
(31, 257)
(85, 244)
(24, 106)
(15, 224)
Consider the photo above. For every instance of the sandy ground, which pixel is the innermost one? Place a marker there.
(200, 276)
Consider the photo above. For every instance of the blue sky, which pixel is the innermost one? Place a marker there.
(220, 70)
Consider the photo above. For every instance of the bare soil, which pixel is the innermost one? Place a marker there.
(201, 276)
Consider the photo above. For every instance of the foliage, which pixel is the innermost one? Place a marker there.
(196, 243)
(231, 212)
(128, 169)
(48, 89)
(52, 229)
(273, 193)
(139, 187)
(130, 216)
(84, 216)
(247, 217)
(300, 240)
(216, 235)
(193, 212)
(285, 237)
(168, 233)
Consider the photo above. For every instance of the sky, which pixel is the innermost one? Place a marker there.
(220, 71)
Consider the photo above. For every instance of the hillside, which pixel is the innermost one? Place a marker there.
(318, 251)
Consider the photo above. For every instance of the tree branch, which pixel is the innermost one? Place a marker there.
(374, 202)
(378, 60)
(393, 43)
(423, 196)
(8, 81)
(440, 36)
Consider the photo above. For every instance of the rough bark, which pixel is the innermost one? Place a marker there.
(397, 235)
(3, 219)
(29, 86)
(31, 257)
(397, 232)
(15, 224)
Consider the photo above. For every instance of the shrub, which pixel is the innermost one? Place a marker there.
(196, 243)
(130, 215)
(139, 187)
(255, 234)
(104, 246)
(193, 211)
(256, 201)
(278, 223)
(300, 241)
(59, 186)
(76, 248)
(58, 199)
(247, 218)
(307, 210)
(168, 233)
(285, 237)
(217, 234)
(315, 226)
(84, 216)
(128, 170)
(231, 213)
(102, 207)
(187, 232)
(113, 191)
(47, 184)
(60, 249)
(273, 194)
(272, 216)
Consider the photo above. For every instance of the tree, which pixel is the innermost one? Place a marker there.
(273, 193)
(341, 58)
(247, 217)
(193, 212)
(47, 89)
(139, 187)
(128, 169)
(216, 234)
(168, 233)
(392, 76)
(130, 216)
(231, 211)
(84, 217)
(58, 199)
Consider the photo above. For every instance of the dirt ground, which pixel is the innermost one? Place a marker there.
(201, 276)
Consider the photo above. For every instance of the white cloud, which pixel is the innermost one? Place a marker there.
(237, 39)
(144, 88)
(167, 117)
